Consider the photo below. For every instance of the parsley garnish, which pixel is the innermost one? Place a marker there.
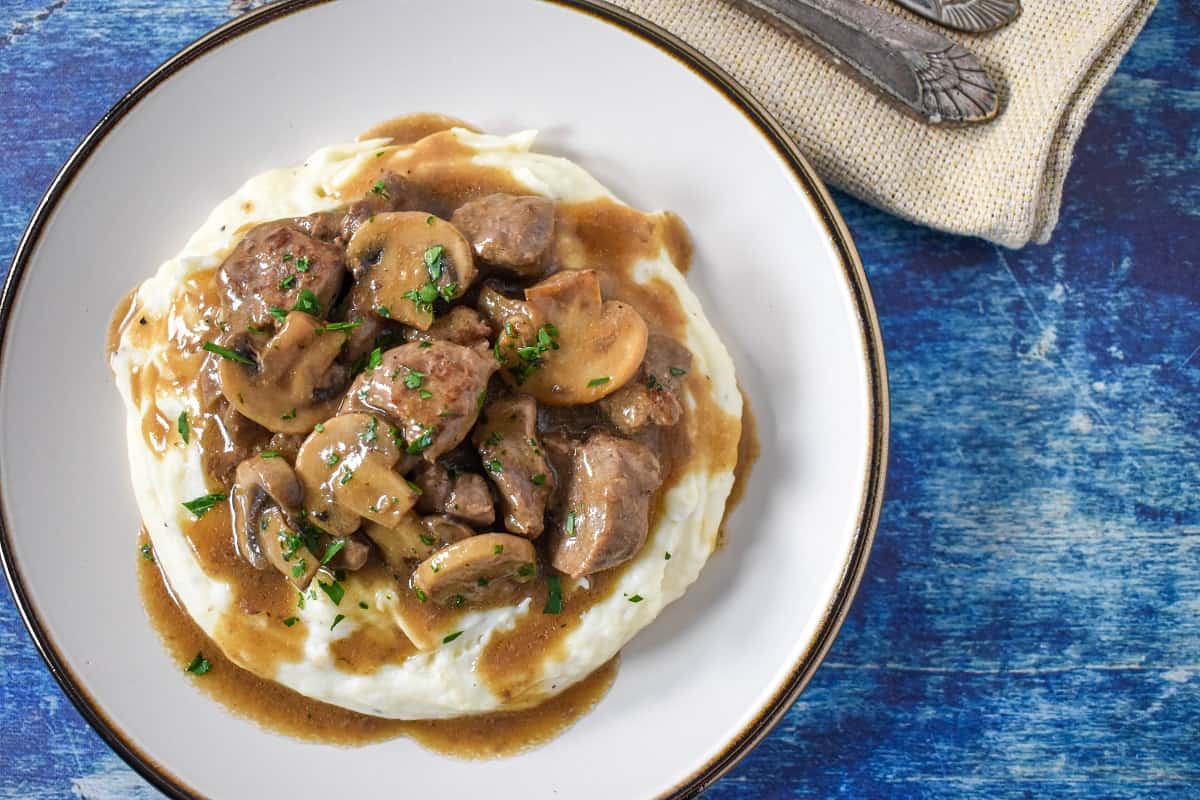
(347, 474)
(370, 434)
(185, 432)
(598, 381)
(498, 549)
(269, 454)
(363, 605)
(340, 326)
(494, 438)
(433, 261)
(290, 621)
(451, 637)
(415, 489)
(289, 415)
(554, 599)
(200, 665)
(288, 282)
(635, 598)
(420, 594)
(375, 359)
(495, 466)
(425, 394)
(414, 378)
(531, 355)
(653, 384)
(383, 311)
(298, 570)
(379, 188)
(147, 553)
(332, 461)
(203, 504)
(525, 570)
(421, 442)
(334, 590)
(427, 540)
(676, 371)
(319, 427)
(278, 313)
(308, 303)
(333, 549)
(302, 264)
(336, 620)
(539, 479)
(569, 525)
(225, 352)
(667, 556)
(429, 220)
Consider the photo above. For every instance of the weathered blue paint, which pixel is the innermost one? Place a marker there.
(1029, 625)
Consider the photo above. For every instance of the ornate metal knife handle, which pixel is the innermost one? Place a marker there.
(973, 16)
(927, 73)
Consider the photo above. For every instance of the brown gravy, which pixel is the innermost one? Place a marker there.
(598, 234)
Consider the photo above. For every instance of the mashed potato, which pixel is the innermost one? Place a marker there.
(442, 682)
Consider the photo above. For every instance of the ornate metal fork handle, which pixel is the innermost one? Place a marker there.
(973, 16)
(924, 71)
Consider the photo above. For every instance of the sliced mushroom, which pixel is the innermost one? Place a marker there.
(571, 347)
(468, 567)
(346, 468)
(415, 538)
(496, 307)
(290, 386)
(407, 260)
(266, 492)
(285, 550)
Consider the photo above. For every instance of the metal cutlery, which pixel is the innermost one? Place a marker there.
(926, 73)
(973, 16)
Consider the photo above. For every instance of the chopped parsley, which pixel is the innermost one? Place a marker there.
(498, 549)
(531, 355)
(414, 378)
(225, 352)
(494, 438)
(308, 303)
(667, 556)
(420, 593)
(379, 188)
(332, 461)
(539, 479)
(429, 220)
(299, 569)
(289, 415)
(375, 359)
(302, 264)
(363, 605)
(339, 326)
(319, 427)
(278, 313)
(415, 489)
(525, 570)
(336, 620)
(288, 282)
(635, 598)
(199, 666)
(347, 474)
(333, 549)
(383, 311)
(654, 385)
(433, 261)
(495, 466)
(269, 454)
(677, 371)
(598, 381)
(569, 525)
(459, 599)
(371, 433)
(425, 394)
(554, 599)
(451, 637)
(290, 621)
(205, 503)
(185, 431)
(427, 540)
(482, 581)
(421, 442)
(334, 590)
(147, 553)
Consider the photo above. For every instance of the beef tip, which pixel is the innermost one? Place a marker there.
(431, 391)
(463, 495)
(389, 193)
(652, 396)
(362, 338)
(509, 232)
(605, 512)
(461, 325)
(323, 225)
(269, 269)
(514, 461)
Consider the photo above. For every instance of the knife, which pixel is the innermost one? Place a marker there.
(926, 73)
(973, 16)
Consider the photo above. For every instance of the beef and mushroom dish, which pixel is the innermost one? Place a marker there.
(427, 425)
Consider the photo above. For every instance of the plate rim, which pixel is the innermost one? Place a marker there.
(772, 710)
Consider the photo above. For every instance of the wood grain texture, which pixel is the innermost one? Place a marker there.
(1029, 625)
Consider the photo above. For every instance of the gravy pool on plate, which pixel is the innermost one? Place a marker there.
(427, 427)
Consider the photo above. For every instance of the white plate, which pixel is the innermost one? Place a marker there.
(652, 120)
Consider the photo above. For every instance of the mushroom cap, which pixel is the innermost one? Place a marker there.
(285, 549)
(283, 390)
(415, 538)
(347, 472)
(469, 566)
(396, 257)
(259, 484)
(571, 347)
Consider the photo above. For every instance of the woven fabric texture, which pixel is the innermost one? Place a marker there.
(1001, 180)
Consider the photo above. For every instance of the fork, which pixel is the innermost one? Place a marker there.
(972, 16)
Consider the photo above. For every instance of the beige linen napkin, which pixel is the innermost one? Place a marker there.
(1001, 180)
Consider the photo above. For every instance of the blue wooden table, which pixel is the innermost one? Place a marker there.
(1029, 625)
